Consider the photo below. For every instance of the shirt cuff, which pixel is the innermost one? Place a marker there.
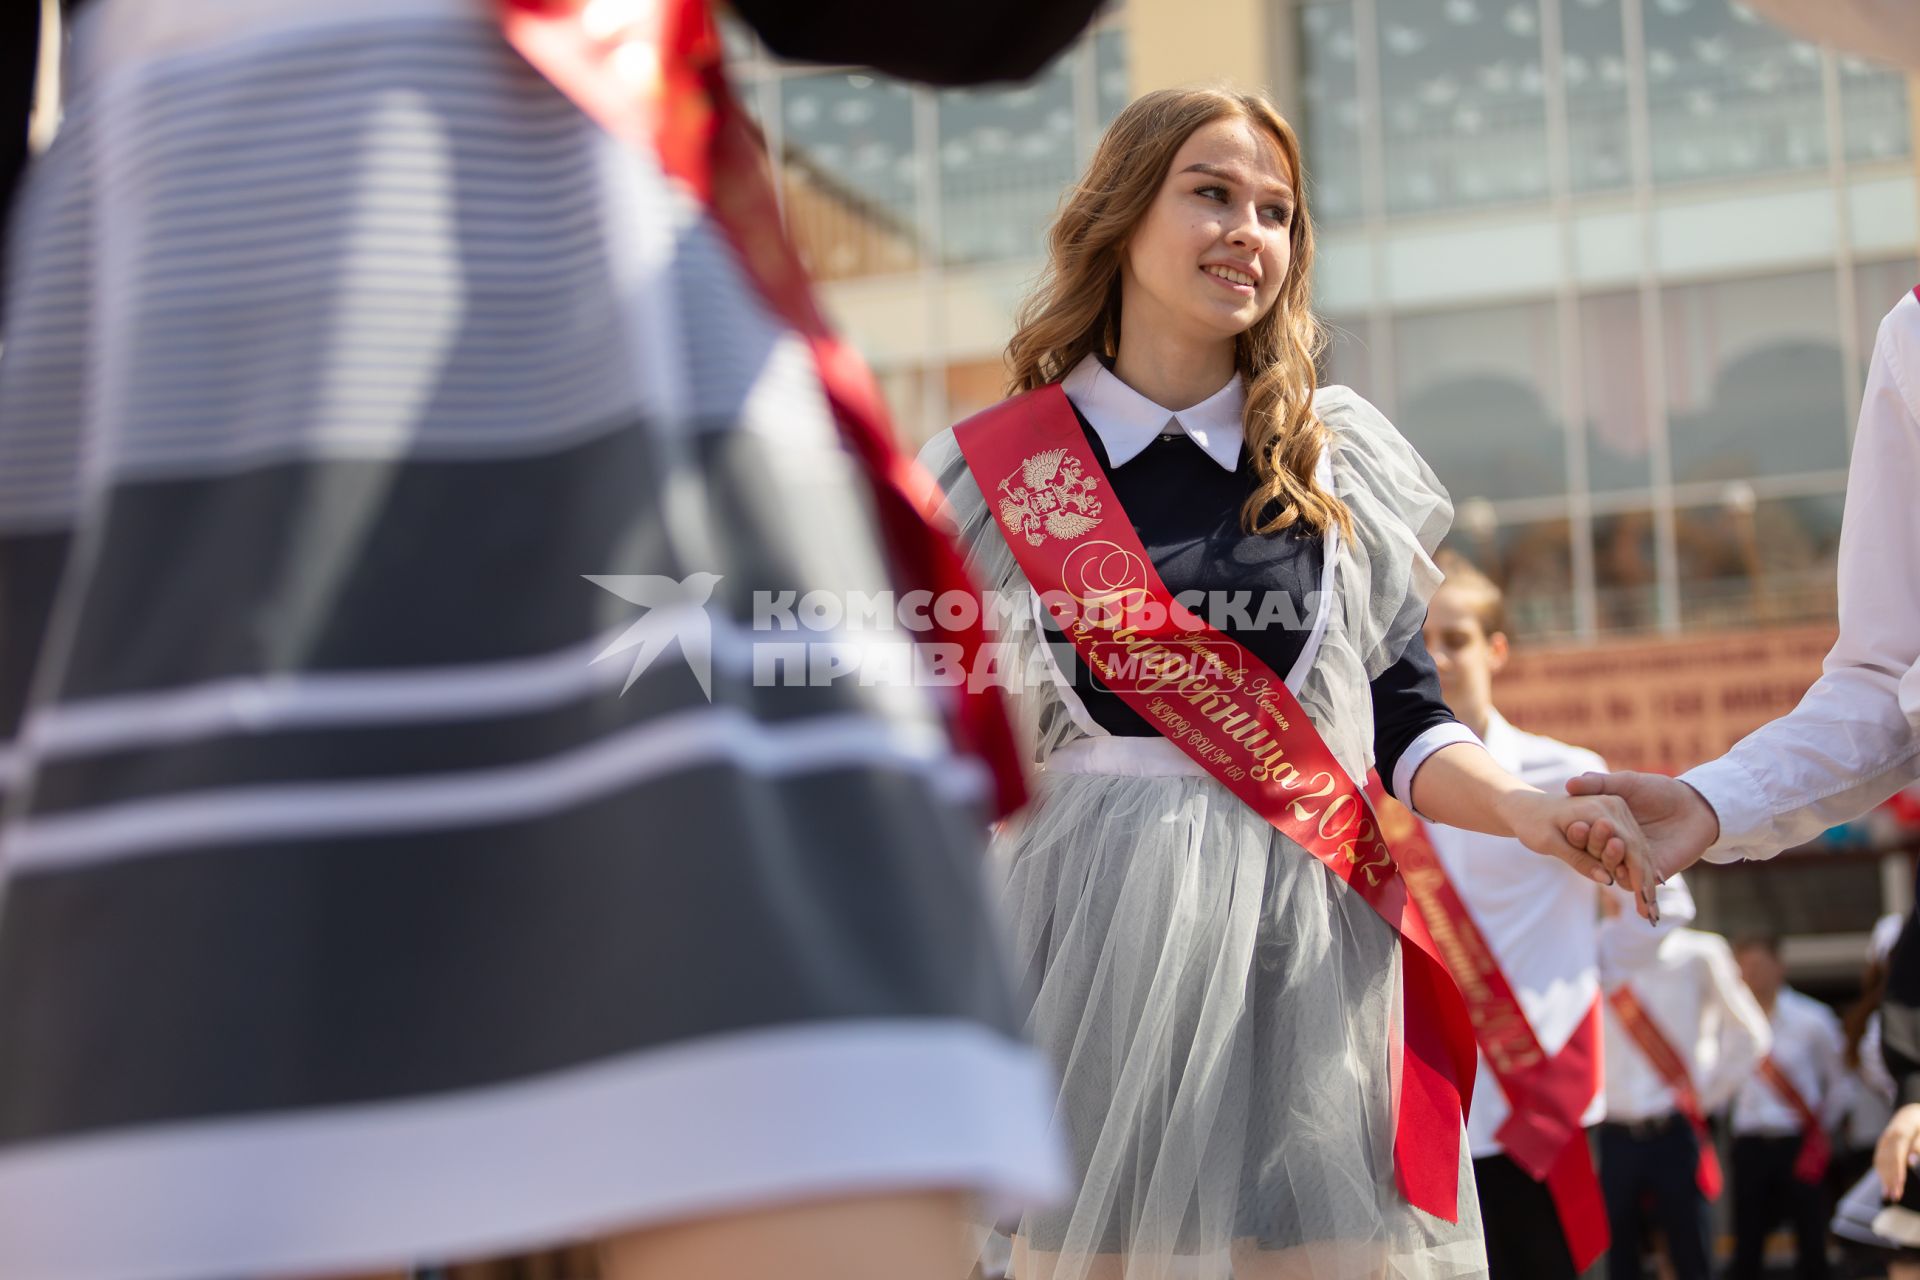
(1441, 735)
(1738, 801)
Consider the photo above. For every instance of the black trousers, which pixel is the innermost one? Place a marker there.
(1765, 1193)
(1654, 1170)
(1524, 1241)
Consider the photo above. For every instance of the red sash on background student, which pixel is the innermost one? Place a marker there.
(650, 72)
(1546, 1096)
(1673, 1069)
(1810, 1166)
(1230, 712)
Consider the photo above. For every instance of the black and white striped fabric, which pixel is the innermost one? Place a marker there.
(352, 913)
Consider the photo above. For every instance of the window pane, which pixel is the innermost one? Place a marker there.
(1536, 568)
(1785, 896)
(1111, 89)
(1330, 89)
(1745, 561)
(1464, 108)
(1345, 361)
(1594, 65)
(1626, 575)
(973, 385)
(1531, 560)
(1479, 396)
(1613, 382)
(904, 390)
(1755, 383)
(1005, 157)
(1728, 94)
(1873, 107)
(851, 173)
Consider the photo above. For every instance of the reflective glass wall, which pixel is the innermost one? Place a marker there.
(1615, 266)
(923, 213)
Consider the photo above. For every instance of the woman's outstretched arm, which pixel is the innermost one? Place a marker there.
(1460, 785)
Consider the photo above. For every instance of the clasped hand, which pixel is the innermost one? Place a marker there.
(1596, 835)
(1676, 821)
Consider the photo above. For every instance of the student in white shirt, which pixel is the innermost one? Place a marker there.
(1543, 925)
(1771, 1133)
(1692, 994)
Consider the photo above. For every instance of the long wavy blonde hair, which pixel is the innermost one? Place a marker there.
(1074, 310)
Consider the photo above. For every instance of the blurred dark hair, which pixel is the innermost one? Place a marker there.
(1853, 1023)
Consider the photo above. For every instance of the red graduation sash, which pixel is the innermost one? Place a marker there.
(1546, 1096)
(1810, 1166)
(1673, 1069)
(1229, 711)
(650, 72)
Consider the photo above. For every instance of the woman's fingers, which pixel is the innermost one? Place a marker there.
(1638, 871)
(1894, 1152)
(1579, 859)
(1615, 839)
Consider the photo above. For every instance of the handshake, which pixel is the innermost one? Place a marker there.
(1634, 830)
(1648, 827)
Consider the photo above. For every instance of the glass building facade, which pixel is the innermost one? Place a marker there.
(923, 212)
(1616, 267)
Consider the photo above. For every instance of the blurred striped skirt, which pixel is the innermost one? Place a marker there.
(353, 914)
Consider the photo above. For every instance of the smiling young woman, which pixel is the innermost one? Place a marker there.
(1224, 1005)
(1264, 331)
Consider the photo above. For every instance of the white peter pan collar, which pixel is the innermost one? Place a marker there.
(1127, 421)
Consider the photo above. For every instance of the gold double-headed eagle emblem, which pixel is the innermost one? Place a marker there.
(1050, 495)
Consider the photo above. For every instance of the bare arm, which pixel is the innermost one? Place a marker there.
(1460, 785)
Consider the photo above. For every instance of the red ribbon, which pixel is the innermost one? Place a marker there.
(658, 83)
(1229, 711)
(1672, 1067)
(1810, 1165)
(1546, 1095)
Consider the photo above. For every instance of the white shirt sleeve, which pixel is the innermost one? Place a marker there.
(1854, 739)
(1742, 1033)
(1831, 1056)
(1627, 944)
